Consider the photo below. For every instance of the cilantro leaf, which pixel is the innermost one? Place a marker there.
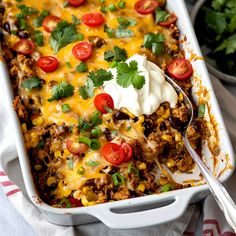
(31, 83)
(128, 74)
(155, 42)
(82, 67)
(110, 32)
(87, 90)
(119, 54)
(38, 21)
(98, 77)
(229, 45)
(96, 118)
(218, 4)
(161, 15)
(124, 33)
(231, 27)
(62, 90)
(75, 20)
(64, 34)
(25, 10)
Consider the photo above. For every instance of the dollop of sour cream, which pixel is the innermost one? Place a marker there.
(155, 91)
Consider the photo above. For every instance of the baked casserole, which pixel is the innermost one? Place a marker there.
(97, 115)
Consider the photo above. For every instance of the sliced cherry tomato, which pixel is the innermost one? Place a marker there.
(75, 3)
(75, 202)
(50, 23)
(146, 6)
(113, 153)
(93, 19)
(171, 19)
(128, 151)
(103, 101)
(24, 46)
(76, 148)
(180, 69)
(82, 51)
(48, 63)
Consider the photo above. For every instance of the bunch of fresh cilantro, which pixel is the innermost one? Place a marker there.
(216, 28)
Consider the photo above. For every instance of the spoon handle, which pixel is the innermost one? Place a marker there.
(220, 194)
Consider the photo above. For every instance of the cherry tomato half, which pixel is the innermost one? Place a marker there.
(76, 148)
(113, 153)
(128, 151)
(171, 19)
(146, 6)
(180, 69)
(103, 101)
(93, 19)
(50, 23)
(75, 202)
(48, 63)
(75, 3)
(24, 46)
(82, 51)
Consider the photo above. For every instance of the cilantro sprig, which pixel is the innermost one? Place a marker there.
(32, 82)
(117, 54)
(128, 74)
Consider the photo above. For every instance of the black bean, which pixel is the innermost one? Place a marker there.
(96, 41)
(61, 129)
(120, 116)
(2, 9)
(1, 36)
(162, 126)
(7, 27)
(196, 125)
(176, 123)
(23, 34)
(148, 128)
(53, 186)
(108, 134)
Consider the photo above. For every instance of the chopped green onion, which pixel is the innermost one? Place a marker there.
(108, 109)
(82, 67)
(201, 110)
(112, 7)
(102, 1)
(45, 13)
(85, 140)
(115, 132)
(65, 4)
(128, 128)
(103, 9)
(41, 144)
(96, 131)
(132, 169)
(95, 144)
(121, 4)
(124, 33)
(92, 163)
(70, 164)
(96, 118)
(65, 108)
(118, 179)
(65, 203)
(22, 23)
(68, 64)
(39, 38)
(166, 188)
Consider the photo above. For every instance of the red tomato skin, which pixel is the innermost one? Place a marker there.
(82, 51)
(170, 20)
(76, 148)
(102, 100)
(75, 202)
(24, 46)
(48, 63)
(128, 151)
(140, 6)
(174, 69)
(93, 19)
(50, 22)
(113, 153)
(76, 3)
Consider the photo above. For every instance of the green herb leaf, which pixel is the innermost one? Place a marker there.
(38, 21)
(96, 118)
(75, 20)
(65, 203)
(121, 4)
(133, 169)
(25, 10)
(112, 7)
(95, 144)
(229, 45)
(110, 32)
(92, 163)
(124, 33)
(166, 188)
(96, 131)
(124, 23)
(65, 108)
(64, 34)
(87, 90)
(39, 38)
(155, 42)
(104, 9)
(218, 4)
(68, 64)
(128, 128)
(118, 179)
(85, 140)
(201, 110)
(63, 90)
(128, 74)
(99, 76)
(161, 15)
(32, 82)
(82, 67)
(119, 54)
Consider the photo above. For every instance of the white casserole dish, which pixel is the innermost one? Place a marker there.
(147, 210)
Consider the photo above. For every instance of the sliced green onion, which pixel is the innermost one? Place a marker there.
(103, 9)
(39, 38)
(92, 163)
(65, 108)
(166, 188)
(45, 13)
(70, 164)
(108, 109)
(96, 131)
(96, 118)
(118, 179)
(201, 110)
(121, 4)
(124, 33)
(22, 23)
(112, 7)
(68, 64)
(132, 169)
(95, 144)
(115, 132)
(65, 203)
(85, 140)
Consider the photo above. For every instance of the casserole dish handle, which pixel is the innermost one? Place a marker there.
(176, 206)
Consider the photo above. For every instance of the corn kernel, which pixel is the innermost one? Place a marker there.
(86, 190)
(178, 137)
(160, 111)
(127, 112)
(33, 134)
(167, 138)
(174, 47)
(170, 163)
(84, 201)
(41, 153)
(166, 114)
(179, 145)
(163, 181)
(142, 166)
(27, 137)
(57, 153)
(159, 120)
(24, 128)
(66, 152)
(38, 167)
(51, 180)
(141, 187)
(38, 120)
(141, 119)
(34, 144)
(181, 97)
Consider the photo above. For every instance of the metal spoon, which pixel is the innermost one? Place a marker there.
(220, 194)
